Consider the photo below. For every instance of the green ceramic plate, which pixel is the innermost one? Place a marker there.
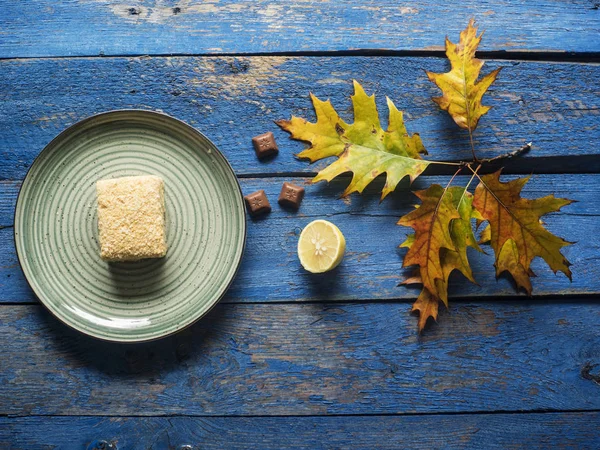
(56, 231)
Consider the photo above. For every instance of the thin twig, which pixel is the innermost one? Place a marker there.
(509, 155)
(513, 154)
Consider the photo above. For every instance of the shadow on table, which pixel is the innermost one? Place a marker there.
(148, 358)
(323, 286)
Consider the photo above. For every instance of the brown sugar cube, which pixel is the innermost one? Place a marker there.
(291, 195)
(264, 145)
(257, 203)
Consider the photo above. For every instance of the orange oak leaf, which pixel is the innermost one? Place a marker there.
(363, 147)
(462, 93)
(516, 219)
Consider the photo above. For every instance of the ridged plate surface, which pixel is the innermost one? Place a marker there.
(56, 230)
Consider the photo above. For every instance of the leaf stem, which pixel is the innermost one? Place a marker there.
(467, 106)
(473, 176)
(446, 163)
(474, 171)
(453, 176)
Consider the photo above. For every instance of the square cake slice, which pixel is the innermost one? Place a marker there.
(131, 218)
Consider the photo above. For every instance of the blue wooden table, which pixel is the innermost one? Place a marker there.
(289, 360)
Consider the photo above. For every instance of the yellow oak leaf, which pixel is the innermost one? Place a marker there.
(462, 93)
(518, 219)
(363, 147)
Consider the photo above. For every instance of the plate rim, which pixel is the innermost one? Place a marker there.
(81, 123)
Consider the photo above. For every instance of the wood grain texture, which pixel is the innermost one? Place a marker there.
(372, 267)
(555, 105)
(285, 346)
(109, 27)
(474, 431)
(310, 359)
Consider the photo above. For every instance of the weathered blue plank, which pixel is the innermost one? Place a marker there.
(372, 267)
(311, 359)
(557, 106)
(473, 431)
(92, 27)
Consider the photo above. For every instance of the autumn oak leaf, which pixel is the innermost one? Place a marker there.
(485, 236)
(431, 222)
(508, 261)
(428, 306)
(515, 231)
(363, 147)
(462, 236)
(462, 93)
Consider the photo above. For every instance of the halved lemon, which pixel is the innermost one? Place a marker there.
(321, 246)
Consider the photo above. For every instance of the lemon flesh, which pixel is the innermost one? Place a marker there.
(321, 246)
